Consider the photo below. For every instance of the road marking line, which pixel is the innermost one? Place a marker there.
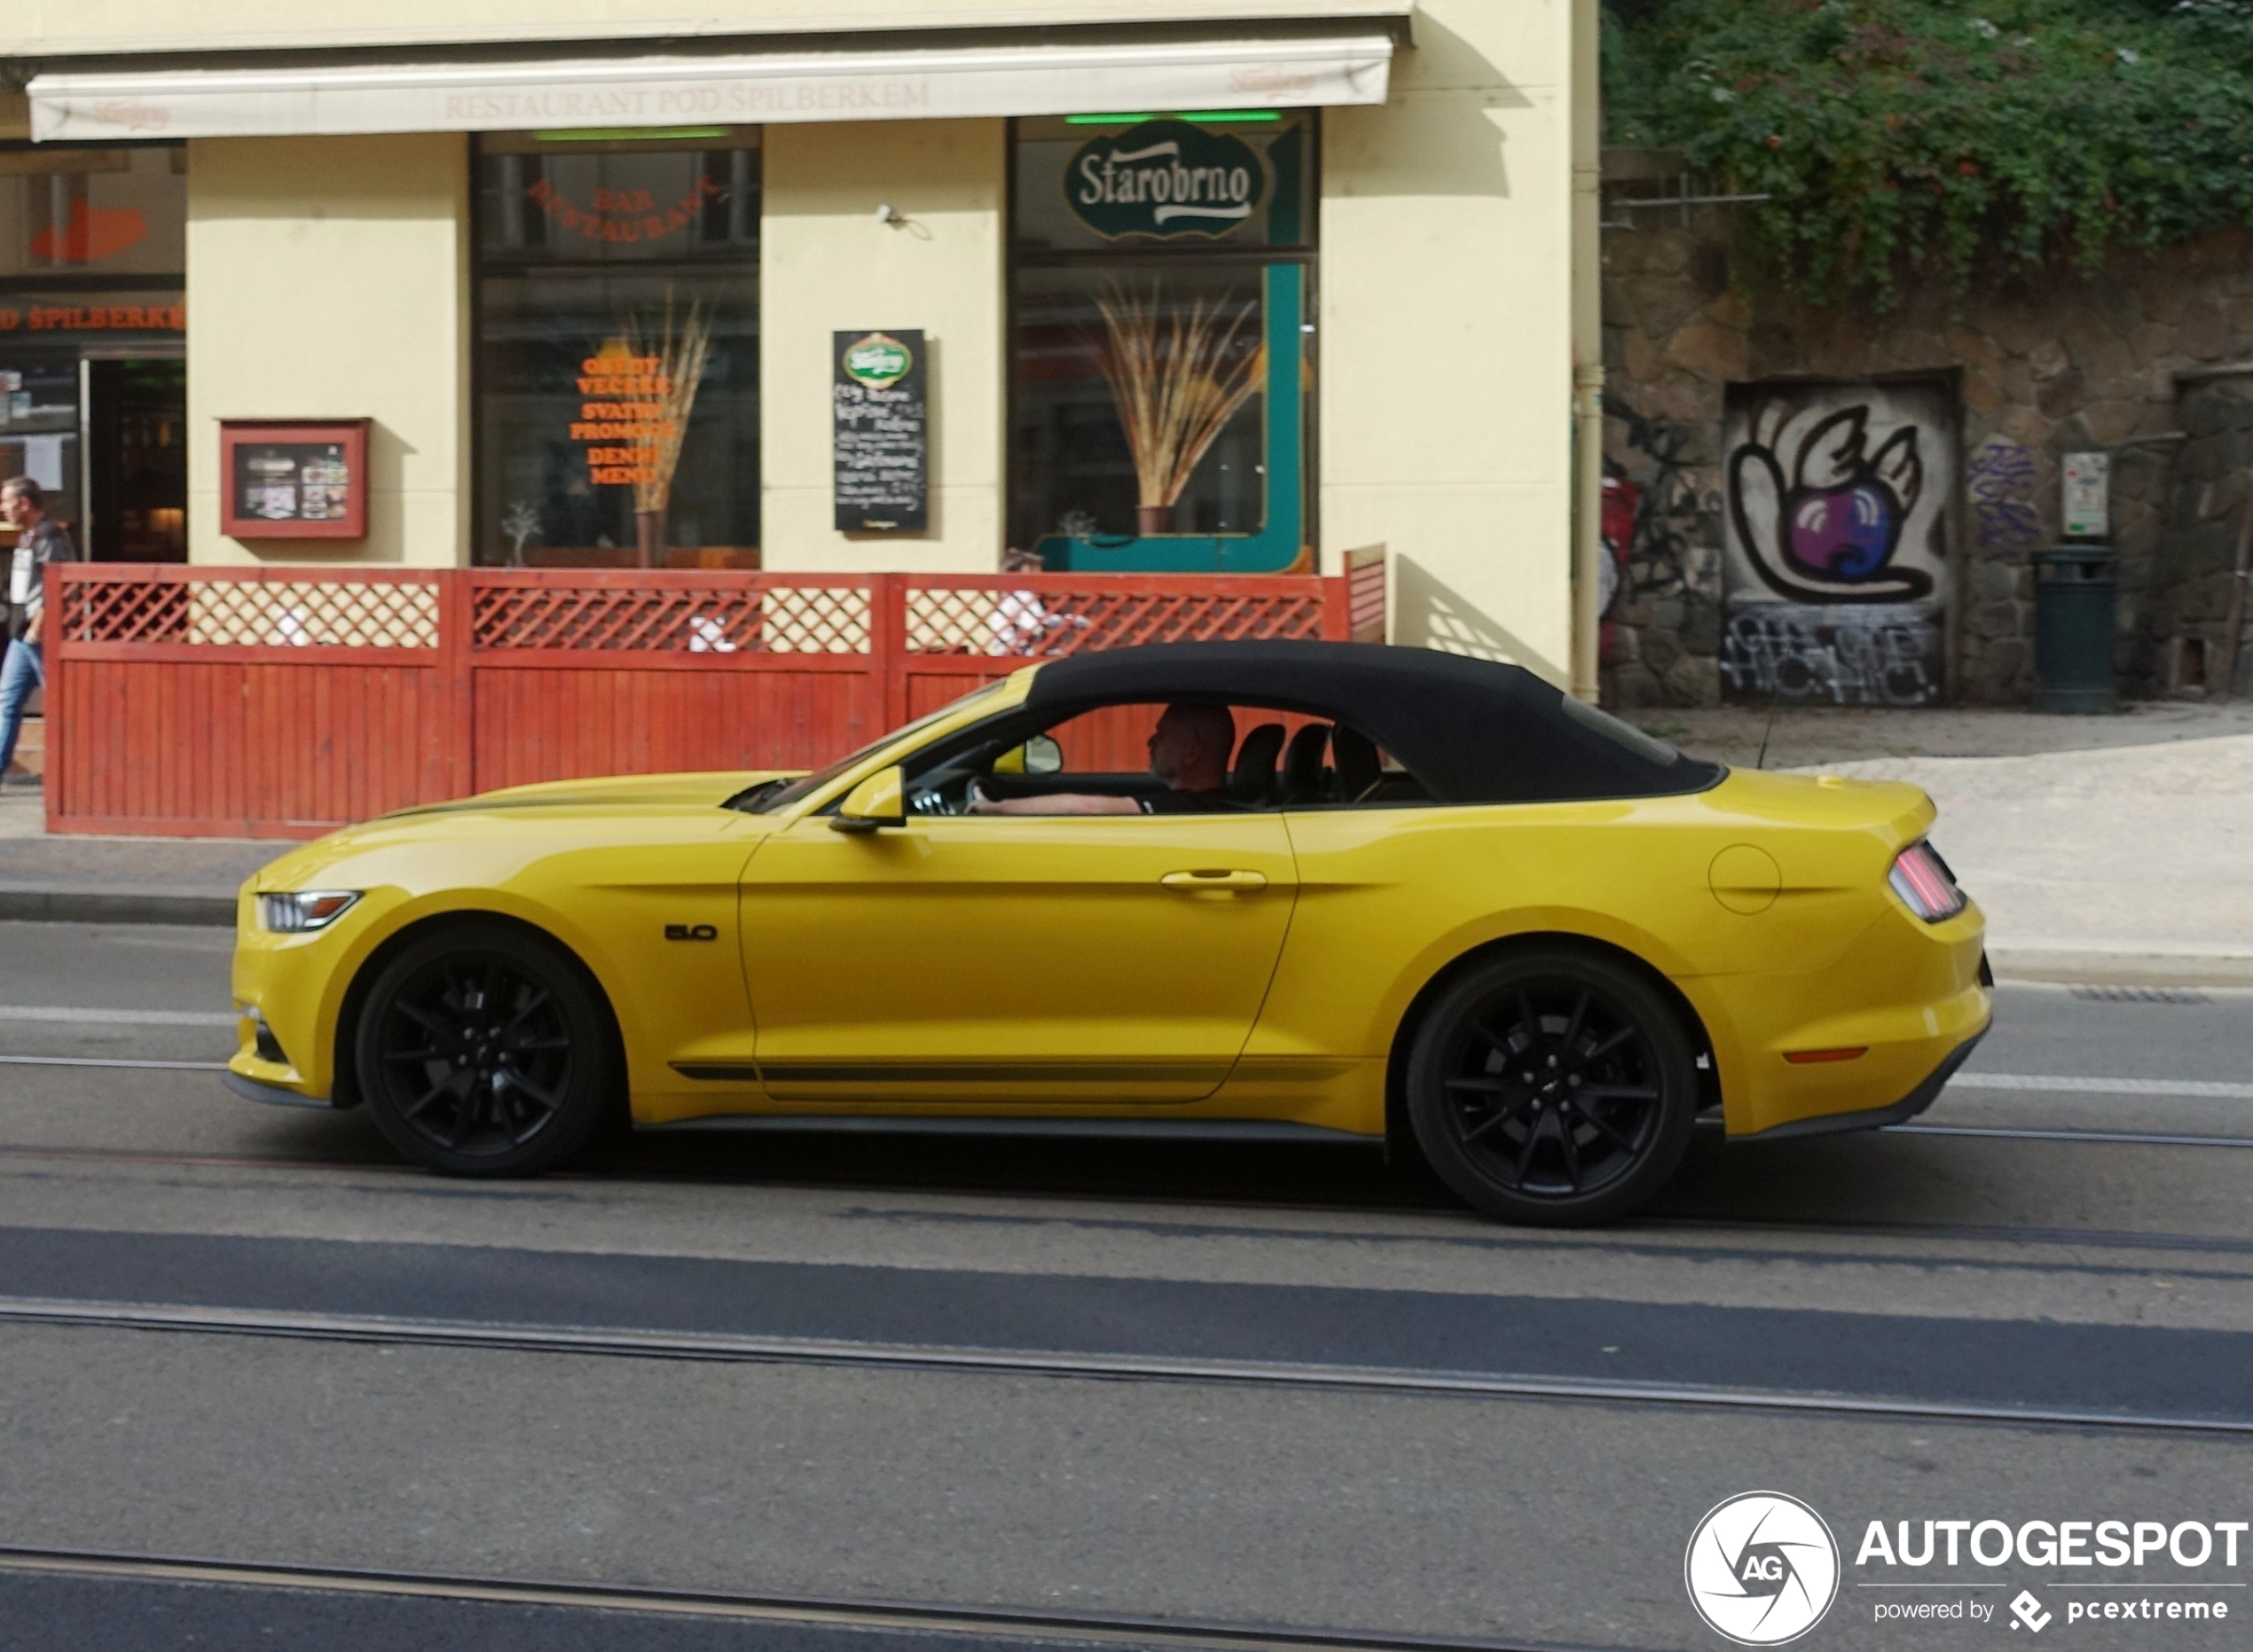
(2225, 1089)
(103, 1061)
(2129, 1137)
(737, 1348)
(117, 1017)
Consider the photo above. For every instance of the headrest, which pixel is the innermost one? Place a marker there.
(1303, 780)
(1252, 781)
(1359, 767)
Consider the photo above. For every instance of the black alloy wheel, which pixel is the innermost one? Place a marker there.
(485, 1052)
(1553, 1087)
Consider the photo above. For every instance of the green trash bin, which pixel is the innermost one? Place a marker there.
(2075, 589)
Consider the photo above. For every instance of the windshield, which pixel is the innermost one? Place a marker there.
(765, 799)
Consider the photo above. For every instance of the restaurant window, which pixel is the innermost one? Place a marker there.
(93, 318)
(618, 366)
(1162, 334)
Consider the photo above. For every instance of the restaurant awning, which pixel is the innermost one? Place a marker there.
(1292, 71)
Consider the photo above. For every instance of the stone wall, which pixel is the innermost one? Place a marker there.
(2035, 371)
(2195, 578)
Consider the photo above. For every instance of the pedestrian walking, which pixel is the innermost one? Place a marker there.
(39, 541)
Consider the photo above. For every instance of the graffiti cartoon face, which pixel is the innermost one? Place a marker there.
(1829, 533)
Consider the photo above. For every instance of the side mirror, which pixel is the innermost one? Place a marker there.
(1040, 754)
(876, 801)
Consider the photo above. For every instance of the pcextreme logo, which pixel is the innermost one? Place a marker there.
(1761, 1569)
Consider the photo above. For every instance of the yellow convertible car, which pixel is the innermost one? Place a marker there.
(1267, 889)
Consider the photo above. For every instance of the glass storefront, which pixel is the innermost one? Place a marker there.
(93, 386)
(1162, 341)
(618, 366)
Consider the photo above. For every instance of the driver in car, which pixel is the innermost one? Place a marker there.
(1188, 751)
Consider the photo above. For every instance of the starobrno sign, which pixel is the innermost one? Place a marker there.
(1164, 179)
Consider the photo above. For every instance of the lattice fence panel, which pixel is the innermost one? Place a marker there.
(817, 619)
(343, 614)
(1049, 619)
(673, 620)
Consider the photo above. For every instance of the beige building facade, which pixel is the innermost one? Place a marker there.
(1377, 273)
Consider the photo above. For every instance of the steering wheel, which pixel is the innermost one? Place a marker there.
(947, 798)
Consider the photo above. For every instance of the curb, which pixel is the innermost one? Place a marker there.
(2105, 966)
(50, 905)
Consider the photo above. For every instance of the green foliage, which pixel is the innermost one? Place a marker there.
(1903, 139)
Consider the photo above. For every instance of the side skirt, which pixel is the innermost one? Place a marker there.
(1084, 1129)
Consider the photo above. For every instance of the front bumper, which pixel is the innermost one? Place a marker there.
(274, 1095)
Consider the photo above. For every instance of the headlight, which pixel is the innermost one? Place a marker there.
(309, 909)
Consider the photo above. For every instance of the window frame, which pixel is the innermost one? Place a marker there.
(480, 267)
(1306, 254)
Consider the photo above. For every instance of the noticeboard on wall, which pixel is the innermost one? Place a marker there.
(881, 432)
(293, 479)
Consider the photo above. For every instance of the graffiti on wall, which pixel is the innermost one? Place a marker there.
(2000, 482)
(1654, 553)
(1872, 655)
(1835, 540)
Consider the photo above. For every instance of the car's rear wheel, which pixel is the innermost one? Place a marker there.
(484, 1051)
(1552, 1086)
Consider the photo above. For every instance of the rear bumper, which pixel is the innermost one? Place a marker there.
(1877, 1117)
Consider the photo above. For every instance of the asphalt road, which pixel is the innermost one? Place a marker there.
(262, 1385)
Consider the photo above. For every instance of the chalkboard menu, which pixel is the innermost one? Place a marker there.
(881, 432)
(294, 478)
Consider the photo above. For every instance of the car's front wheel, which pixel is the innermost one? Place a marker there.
(484, 1051)
(1552, 1086)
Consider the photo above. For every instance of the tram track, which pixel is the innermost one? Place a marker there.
(1002, 1624)
(673, 1347)
(1662, 1237)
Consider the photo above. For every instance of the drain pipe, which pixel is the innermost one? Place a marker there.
(1587, 351)
(1588, 526)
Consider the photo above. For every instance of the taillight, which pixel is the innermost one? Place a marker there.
(1922, 879)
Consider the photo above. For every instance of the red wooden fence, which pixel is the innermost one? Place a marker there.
(283, 702)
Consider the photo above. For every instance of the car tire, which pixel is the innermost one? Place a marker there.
(484, 1050)
(1553, 1087)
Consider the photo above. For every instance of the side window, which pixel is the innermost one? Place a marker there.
(1278, 759)
(1271, 758)
(1334, 765)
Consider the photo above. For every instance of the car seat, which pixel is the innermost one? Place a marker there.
(1252, 781)
(1305, 780)
(1360, 770)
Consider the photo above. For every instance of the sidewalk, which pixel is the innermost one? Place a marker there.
(2104, 850)
(2112, 850)
(117, 880)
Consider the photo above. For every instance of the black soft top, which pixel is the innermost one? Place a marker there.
(1472, 731)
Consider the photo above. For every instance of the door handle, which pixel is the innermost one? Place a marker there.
(1221, 883)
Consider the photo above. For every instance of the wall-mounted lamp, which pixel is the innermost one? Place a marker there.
(891, 217)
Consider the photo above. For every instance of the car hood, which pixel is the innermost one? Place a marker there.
(701, 789)
(515, 822)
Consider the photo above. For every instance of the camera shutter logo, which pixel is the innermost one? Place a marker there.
(1761, 1569)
